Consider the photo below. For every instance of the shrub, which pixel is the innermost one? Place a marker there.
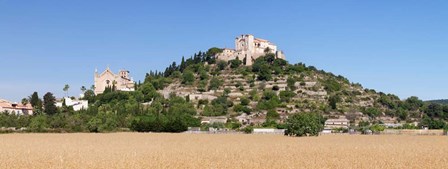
(248, 130)
(39, 123)
(188, 78)
(245, 101)
(222, 65)
(272, 114)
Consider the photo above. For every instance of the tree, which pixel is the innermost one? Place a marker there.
(267, 50)
(291, 81)
(49, 104)
(213, 51)
(90, 96)
(222, 65)
(36, 102)
(215, 83)
(372, 112)
(83, 89)
(114, 85)
(66, 87)
(414, 103)
(272, 115)
(188, 77)
(333, 100)
(235, 63)
(24, 101)
(34, 99)
(304, 124)
(285, 96)
(244, 101)
(269, 100)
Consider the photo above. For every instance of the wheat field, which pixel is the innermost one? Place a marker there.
(146, 150)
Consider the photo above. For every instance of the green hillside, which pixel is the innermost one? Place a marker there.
(441, 101)
(233, 96)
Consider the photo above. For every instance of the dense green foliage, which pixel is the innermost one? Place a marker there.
(304, 124)
(49, 104)
(441, 101)
(145, 110)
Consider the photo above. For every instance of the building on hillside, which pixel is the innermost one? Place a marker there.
(248, 48)
(15, 108)
(76, 104)
(268, 131)
(211, 120)
(122, 81)
(337, 123)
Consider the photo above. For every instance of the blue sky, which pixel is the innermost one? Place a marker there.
(398, 47)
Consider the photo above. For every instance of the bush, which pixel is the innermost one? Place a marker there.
(334, 100)
(215, 83)
(285, 96)
(372, 112)
(241, 108)
(245, 101)
(188, 78)
(222, 65)
(235, 63)
(39, 123)
(272, 115)
(248, 130)
(93, 124)
(376, 128)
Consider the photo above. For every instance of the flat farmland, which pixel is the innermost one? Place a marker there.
(148, 150)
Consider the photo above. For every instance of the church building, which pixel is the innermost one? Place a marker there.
(122, 81)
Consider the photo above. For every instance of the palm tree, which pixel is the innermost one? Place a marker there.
(83, 89)
(66, 87)
(25, 101)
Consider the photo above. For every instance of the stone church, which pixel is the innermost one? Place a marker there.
(248, 48)
(122, 81)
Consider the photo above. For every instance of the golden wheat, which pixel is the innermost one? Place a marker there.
(143, 150)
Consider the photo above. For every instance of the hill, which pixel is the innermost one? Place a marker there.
(204, 92)
(441, 101)
(270, 90)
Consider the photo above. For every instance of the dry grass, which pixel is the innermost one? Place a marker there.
(137, 150)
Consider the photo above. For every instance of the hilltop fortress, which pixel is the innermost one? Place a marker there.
(248, 48)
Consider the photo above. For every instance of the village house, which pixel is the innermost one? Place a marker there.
(15, 108)
(76, 104)
(121, 81)
(211, 120)
(248, 48)
(268, 131)
(243, 119)
(337, 123)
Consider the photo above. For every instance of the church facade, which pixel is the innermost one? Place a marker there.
(122, 81)
(248, 48)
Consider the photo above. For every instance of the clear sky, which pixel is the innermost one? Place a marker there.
(398, 47)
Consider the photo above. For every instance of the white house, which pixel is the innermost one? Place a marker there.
(76, 104)
(15, 108)
(337, 123)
